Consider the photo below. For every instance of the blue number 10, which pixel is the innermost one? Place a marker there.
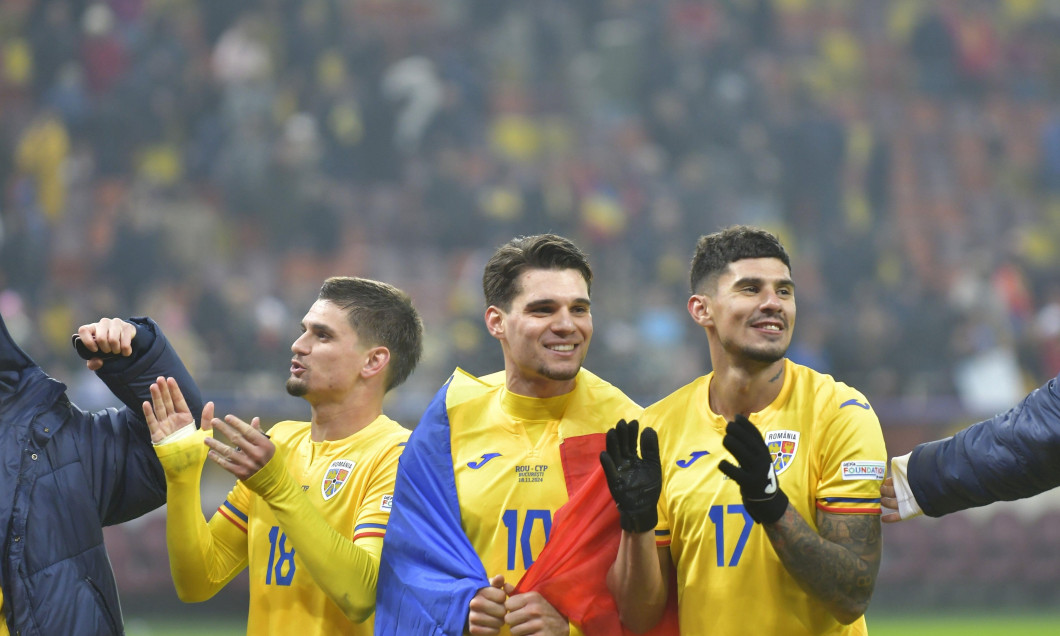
(511, 522)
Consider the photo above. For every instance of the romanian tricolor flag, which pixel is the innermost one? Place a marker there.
(429, 571)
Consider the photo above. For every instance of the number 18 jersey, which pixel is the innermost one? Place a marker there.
(351, 482)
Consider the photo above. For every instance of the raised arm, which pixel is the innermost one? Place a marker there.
(133, 354)
(114, 448)
(203, 556)
(838, 562)
(638, 577)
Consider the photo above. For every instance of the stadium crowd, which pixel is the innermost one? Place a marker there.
(208, 163)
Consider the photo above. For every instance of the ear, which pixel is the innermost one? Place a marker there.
(375, 362)
(495, 322)
(699, 309)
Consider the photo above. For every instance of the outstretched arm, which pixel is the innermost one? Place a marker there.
(1009, 456)
(896, 495)
(203, 556)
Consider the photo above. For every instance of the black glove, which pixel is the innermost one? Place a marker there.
(762, 496)
(635, 482)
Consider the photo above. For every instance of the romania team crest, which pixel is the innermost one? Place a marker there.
(337, 474)
(782, 446)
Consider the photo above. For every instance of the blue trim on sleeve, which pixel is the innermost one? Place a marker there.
(236, 511)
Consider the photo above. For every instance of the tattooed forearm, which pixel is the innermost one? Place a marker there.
(836, 564)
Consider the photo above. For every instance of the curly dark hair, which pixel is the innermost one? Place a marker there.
(715, 251)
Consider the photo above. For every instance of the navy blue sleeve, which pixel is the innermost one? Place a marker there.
(1012, 455)
(127, 478)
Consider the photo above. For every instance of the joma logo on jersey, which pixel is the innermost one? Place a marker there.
(782, 446)
(335, 477)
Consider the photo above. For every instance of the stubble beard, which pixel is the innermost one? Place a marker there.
(764, 353)
(562, 374)
(296, 387)
(767, 355)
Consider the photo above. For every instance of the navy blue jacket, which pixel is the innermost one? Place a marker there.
(64, 474)
(1014, 454)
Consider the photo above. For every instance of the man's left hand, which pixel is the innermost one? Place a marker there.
(251, 449)
(529, 614)
(762, 497)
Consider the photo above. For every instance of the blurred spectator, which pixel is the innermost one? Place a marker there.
(892, 143)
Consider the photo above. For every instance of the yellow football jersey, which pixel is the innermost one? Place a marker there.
(828, 454)
(351, 482)
(507, 465)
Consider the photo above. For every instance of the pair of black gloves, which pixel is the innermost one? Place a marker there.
(636, 482)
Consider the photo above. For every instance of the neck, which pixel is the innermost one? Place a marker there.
(338, 420)
(744, 390)
(540, 388)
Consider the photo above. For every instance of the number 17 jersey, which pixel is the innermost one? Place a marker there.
(829, 455)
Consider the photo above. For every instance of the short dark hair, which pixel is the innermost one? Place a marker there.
(381, 314)
(714, 252)
(541, 251)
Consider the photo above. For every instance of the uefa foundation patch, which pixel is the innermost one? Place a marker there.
(864, 470)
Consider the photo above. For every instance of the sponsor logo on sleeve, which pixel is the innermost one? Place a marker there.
(388, 503)
(864, 470)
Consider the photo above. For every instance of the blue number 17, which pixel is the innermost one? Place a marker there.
(717, 516)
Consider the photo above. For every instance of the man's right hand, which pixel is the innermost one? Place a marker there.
(889, 501)
(635, 482)
(108, 337)
(486, 610)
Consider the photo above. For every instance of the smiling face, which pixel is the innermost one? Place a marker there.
(546, 333)
(328, 356)
(751, 314)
